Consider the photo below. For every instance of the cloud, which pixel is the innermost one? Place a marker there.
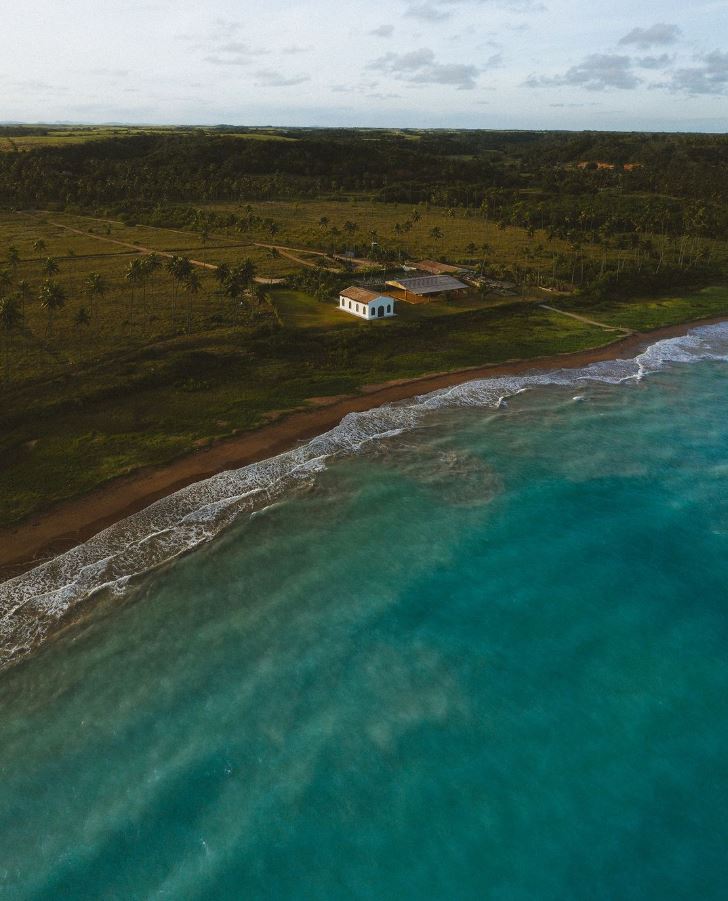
(710, 77)
(657, 35)
(34, 86)
(225, 27)
(295, 49)
(382, 31)
(596, 72)
(421, 67)
(655, 62)
(361, 88)
(437, 10)
(233, 53)
(109, 73)
(427, 11)
(270, 78)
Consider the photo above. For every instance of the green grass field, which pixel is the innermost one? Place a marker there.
(99, 421)
(143, 383)
(299, 226)
(667, 310)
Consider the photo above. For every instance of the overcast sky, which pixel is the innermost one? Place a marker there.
(656, 64)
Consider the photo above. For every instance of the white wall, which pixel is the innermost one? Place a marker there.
(367, 311)
(351, 306)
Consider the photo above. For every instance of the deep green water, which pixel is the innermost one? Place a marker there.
(487, 658)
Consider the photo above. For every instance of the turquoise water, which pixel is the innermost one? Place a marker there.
(485, 657)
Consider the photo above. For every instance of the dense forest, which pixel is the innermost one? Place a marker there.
(584, 183)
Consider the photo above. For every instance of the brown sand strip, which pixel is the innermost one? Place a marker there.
(72, 522)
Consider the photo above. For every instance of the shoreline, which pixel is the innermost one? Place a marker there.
(72, 522)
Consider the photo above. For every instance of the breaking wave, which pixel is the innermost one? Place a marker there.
(33, 604)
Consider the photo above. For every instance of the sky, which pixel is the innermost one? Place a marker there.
(655, 65)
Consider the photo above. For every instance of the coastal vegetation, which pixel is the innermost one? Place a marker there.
(161, 289)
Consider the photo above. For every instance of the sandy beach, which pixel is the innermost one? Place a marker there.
(72, 522)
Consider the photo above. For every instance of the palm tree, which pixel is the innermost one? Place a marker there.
(171, 267)
(485, 248)
(239, 280)
(260, 295)
(323, 223)
(50, 267)
(185, 267)
(39, 245)
(134, 275)
(222, 274)
(81, 321)
(94, 286)
(149, 266)
(6, 279)
(192, 285)
(247, 272)
(52, 298)
(11, 319)
(24, 292)
(233, 287)
(179, 268)
(13, 257)
(82, 317)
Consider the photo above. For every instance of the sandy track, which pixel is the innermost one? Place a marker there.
(607, 328)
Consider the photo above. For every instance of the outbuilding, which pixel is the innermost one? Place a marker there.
(435, 267)
(427, 285)
(366, 304)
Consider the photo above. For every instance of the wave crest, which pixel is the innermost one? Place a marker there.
(32, 604)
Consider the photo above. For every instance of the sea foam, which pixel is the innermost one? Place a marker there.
(33, 604)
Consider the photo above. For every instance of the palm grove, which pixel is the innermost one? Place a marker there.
(238, 297)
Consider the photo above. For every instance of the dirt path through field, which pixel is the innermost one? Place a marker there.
(141, 248)
(290, 254)
(607, 328)
(156, 228)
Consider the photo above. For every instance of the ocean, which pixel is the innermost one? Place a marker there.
(473, 645)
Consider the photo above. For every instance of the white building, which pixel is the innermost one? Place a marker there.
(366, 304)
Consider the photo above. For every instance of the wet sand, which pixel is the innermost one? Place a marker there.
(72, 522)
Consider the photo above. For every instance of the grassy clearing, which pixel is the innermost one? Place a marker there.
(262, 136)
(149, 380)
(60, 136)
(650, 313)
(119, 325)
(98, 422)
(300, 310)
(299, 226)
